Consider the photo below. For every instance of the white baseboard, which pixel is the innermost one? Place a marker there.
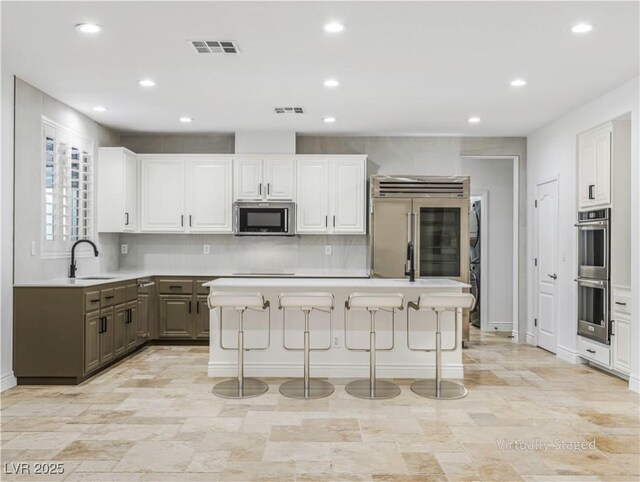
(567, 355)
(7, 381)
(531, 339)
(222, 369)
(634, 384)
(500, 326)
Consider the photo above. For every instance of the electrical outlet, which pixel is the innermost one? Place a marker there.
(124, 248)
(336, 341)
(327, 250)
(206, 249)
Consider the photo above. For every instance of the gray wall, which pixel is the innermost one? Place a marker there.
(494, 177)
(30, 105)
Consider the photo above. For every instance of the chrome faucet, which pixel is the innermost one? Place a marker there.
(411, 262)
(73, 268)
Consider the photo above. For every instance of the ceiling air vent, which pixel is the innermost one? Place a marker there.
(288, 110)
(215, 46)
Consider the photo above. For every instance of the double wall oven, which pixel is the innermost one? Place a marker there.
(594, 274)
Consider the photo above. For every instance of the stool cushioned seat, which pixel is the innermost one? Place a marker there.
(376, 300)
(306, 300)
(236, 300)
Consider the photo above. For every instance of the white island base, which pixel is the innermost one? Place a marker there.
(337, 362)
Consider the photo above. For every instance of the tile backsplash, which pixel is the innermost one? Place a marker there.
(243, 253)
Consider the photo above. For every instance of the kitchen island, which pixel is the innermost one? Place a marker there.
(338, 362)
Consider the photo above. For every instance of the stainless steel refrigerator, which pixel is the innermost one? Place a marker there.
(429, 214)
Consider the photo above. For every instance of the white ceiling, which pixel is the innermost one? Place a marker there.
(404, 68)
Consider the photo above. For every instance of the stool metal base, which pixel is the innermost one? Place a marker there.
(231, 389)
(317, 389)
(448, 390)
(362, 389)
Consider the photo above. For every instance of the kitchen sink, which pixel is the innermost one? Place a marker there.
(97, 277)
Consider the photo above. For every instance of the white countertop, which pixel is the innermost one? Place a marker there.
(367, 283)
(115, 277)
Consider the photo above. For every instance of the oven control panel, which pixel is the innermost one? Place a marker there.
(595, 215)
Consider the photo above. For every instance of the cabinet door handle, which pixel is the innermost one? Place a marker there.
(94, 301)
(175, 287)
(198, 307)
(260, 189)
(189, 220)
(326, 221)
(620, 303)
(268, 188)
(101, 319)
(108, 297)
(182, 220)
(334, 220)
(552, 276)
(591, 186)
(126, 219)
(591, 351)
(189, 306)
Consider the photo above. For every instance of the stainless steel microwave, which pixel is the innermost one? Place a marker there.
(264, 218)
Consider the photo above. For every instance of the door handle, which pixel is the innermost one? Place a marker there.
(198, 307)
(591, 186)
(268, 188)
(126, 217)
(260, 189)
(334, 220)
(189, 220)
(553, 276)
(326, 221)
(182, 220)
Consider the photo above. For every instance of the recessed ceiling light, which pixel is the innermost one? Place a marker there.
(582, 28)
(329, 120)
(99, 108)
(331, 83)
(518, 83)
(88, 28)
(473, 120)
(186, 120)
(334, 27)
(146, 83)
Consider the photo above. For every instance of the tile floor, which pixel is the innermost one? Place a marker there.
(153, 418)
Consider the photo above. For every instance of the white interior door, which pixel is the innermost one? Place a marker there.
(547, 242)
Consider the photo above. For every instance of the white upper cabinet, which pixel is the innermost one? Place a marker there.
(312, 189)
(186, 194)
(117, 190)
(247, 179)
(331, 195)
(279, 175)
(264, 178)
(594, 167)
(208, 196)
(347, 183)
(162, 195)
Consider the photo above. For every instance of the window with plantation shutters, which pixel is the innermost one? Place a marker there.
(68, 188)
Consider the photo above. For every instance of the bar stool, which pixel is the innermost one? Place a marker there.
(440, 389)
(306, 387)
(372, 388)
(240, 387)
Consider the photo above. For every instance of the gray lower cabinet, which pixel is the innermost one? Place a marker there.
(143, 317)
(175, 316)
(202, 318)
(91, 341)
(106, 331)
(119, 320)
(131, 325)
(72, 332)
(184, 315)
